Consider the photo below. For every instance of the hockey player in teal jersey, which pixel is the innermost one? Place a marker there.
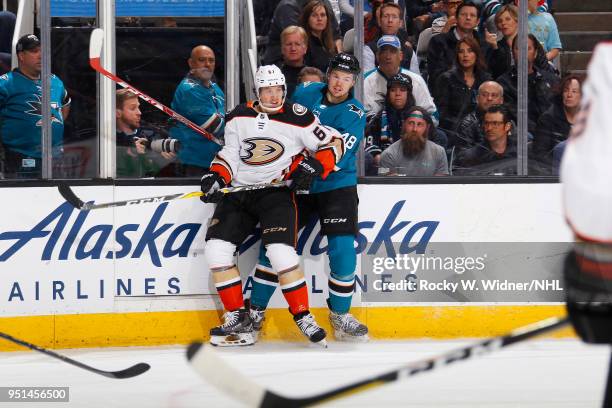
(21, 112)
(334, 200)
(202, 101)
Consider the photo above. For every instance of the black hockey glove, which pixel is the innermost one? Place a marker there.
(210, 183)
(305, 173)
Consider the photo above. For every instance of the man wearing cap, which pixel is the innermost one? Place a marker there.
(415, 154)
(389, 56)
(21, 112)
(390, 24)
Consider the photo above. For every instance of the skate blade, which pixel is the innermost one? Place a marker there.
(233, 340)
(321, 343)
(342, 336)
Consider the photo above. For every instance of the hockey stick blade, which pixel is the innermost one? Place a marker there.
(69, 196)
(76, 202)
(215, 370)
(129, 372)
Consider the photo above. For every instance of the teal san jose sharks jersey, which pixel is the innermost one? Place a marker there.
(21, 112)
(197, 103)
(346, 117)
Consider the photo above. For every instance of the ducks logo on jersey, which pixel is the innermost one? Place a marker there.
(261, 150)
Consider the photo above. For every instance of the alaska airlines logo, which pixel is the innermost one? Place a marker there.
(261, 150)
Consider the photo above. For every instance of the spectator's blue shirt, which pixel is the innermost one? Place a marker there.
(543, 26)
(21, 112)
(348, 118)
(197, 103)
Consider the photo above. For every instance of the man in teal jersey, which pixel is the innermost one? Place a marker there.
(333, 200)
(21, 112)
(201, 101)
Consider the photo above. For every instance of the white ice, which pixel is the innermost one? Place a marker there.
(544, 373)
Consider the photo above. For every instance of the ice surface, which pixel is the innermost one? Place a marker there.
(544, 373)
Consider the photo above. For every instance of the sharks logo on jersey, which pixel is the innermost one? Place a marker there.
(261, 150)
(355, 109)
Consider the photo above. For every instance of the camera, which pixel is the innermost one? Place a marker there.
(166, 145)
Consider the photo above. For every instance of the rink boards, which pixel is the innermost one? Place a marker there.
(136, 275)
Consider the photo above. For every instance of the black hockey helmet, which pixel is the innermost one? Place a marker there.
(401, 80)
(344, 62)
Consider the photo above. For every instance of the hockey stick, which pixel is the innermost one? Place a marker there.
(76, 202)
(213, 368)
(95, 49)
(129, 372)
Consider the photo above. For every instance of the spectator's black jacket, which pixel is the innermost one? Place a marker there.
(441, 54)
(540, 84)
(317, 56)
(415, 8)
(481, 160)
(454, 98)
(552, 129)
(291, 78)
(470, 131)
(499, 60)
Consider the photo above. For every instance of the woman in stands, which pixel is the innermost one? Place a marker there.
(315, 19)
(499, 58)
(555, 124)
(456, 89)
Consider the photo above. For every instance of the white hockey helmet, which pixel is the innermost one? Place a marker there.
(270, 75)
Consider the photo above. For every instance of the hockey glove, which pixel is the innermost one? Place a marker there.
(210, 183)
(305, 173)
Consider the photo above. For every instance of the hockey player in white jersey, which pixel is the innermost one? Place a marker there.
(267, 141)
(586, 173)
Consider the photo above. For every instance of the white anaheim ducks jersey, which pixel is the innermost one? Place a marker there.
(586, 169)
(260, 148)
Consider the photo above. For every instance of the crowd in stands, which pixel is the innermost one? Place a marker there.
(440, 88)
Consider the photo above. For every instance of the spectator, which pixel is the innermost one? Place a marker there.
(470, 131)
(456, 89)
(132, 159)
(347, 13)
(441, 54)
(375, 84)
(385, 128)
(497, 155)
(7, 26)
(390, 24)
(263, 11)
(543, 26)
(555, 124)
(423, 12)
(448, 20)
(311, 74)
(287, 13)
(539, 84)
(499, 58)
(200, 100)
(415, 154)
(371, 29)
(21, 112)
(315, 19)
(293, 48)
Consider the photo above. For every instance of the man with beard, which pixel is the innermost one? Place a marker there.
(200, 100)
(415, 154)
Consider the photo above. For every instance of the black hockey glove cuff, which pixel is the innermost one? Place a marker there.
(305, 173)
(210, 184)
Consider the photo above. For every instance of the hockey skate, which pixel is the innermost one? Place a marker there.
(257, 315)
(347, 328)
(307, 325)
(236, 330)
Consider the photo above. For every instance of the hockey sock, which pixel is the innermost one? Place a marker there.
(294, 289)
(229, 286)
(342, 262)
(265, 283)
